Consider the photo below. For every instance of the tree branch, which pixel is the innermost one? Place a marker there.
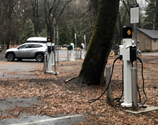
(126, 7)
(50, 10)
(62, 10)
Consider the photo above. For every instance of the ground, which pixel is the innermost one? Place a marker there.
(52, 96)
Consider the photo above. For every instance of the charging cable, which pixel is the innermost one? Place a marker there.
(93, 100)
(119, 98)
(142, 105)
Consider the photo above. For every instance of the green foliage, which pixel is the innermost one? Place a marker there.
(18, 25)
(27, 32)
(151, 15)
(29, 28)
(66, 33)
(43, 33)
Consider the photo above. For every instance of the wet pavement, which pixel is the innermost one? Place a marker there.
(17, 69)
(8, 104)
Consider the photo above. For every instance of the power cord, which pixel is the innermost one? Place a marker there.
(142, 105)
(93, 100)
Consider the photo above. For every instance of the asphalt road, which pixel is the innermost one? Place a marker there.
(62, 56)
(150, 54)
(2, 57)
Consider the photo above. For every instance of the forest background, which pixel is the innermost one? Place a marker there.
(21, 19)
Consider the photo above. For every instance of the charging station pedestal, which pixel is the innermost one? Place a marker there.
(82, 50)
(49, 55)
(53, 55)
(125, 52)
(49, 60)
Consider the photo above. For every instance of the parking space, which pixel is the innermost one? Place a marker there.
(17, 69)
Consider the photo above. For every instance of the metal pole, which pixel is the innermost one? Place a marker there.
(135, 40)
(85, 42)
(134, 75)
(134, 89)
(108, 72)
(45, 62)
(58, 47)
(135, 64)
(54, 53)
(76, 44)
(67, 55)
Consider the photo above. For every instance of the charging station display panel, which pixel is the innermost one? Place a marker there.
(127, 32)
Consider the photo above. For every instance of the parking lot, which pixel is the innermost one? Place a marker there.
(20, 73)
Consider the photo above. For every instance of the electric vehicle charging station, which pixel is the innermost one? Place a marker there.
(50, 56)
(125, 52)
(82, 50)
(130, 88)
(53, 54)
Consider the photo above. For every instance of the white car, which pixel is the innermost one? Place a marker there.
(27, 51)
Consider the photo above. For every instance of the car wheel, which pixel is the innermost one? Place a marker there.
(10, 56)
(39, 57)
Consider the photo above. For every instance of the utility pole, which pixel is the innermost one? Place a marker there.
(85, 42)
(134, 19)
(76, 44)
(54, 53)
(57, 47)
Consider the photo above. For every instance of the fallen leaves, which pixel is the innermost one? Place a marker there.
(72, 97)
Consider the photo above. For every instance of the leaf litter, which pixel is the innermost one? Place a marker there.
(59, 97)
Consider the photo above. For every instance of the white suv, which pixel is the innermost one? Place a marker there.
(27, 51)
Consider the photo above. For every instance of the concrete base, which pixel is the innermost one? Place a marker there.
(143, 110)
(72, 60)
(52, 72)
(128, 105)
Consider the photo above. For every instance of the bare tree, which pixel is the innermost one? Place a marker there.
(34, 4)
(7, 22)
(53, 13)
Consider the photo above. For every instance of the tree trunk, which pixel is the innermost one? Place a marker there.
(100, 43)
(95, 4)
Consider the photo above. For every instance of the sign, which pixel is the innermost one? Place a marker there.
(127, 32)
(134, 13)
(49, 39)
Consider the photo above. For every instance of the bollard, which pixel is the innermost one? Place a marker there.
(73, 56)
(53, 58)
(108, 72)
(80, 53)
(134, 89)
(83, 54)
(45, 62)
(67, 55)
